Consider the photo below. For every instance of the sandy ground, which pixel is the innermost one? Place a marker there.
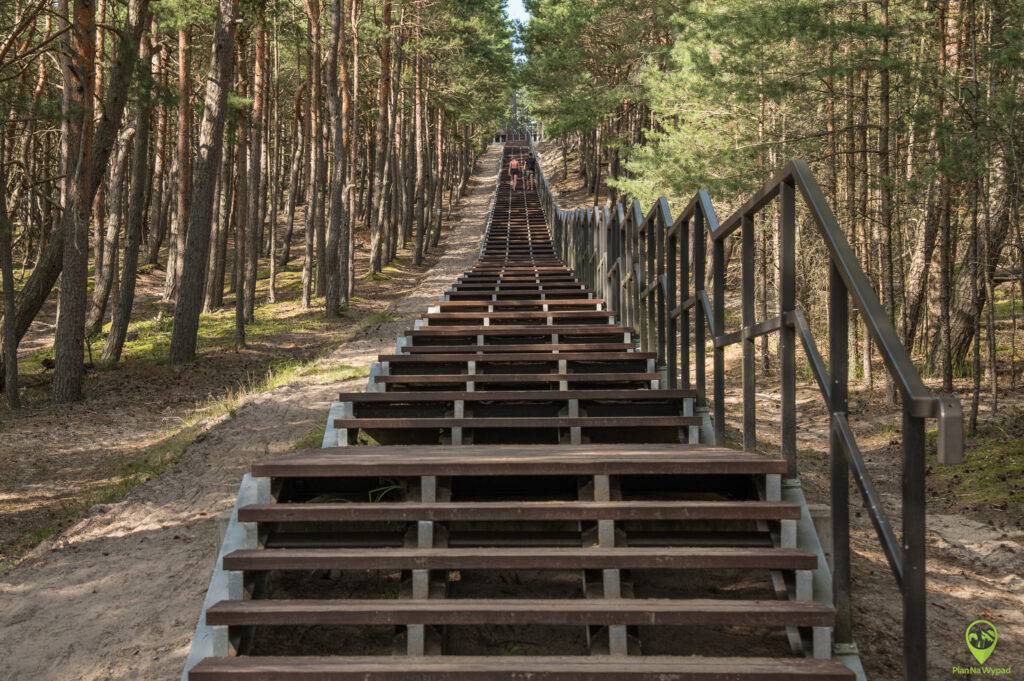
(117, 595)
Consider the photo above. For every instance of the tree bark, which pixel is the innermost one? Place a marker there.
(104, 280)
(176, 257)
(211, 145)
(10, 338)
(300, 135)
(334, 292)
(80, 82)
(157, 233)
(421, 161)
(252, 247)
(315, 121)
(381, 140)
(136, 215)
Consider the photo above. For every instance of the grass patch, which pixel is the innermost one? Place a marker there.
(376, 277)
(148, 340)
(992, 475)
(1005, 308)
(311, 440)
(375, 319)
(153, 461)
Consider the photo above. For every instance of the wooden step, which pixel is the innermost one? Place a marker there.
(589, 558)
(519, 511)
(520, 330)
(513, 286)
(485, 460)
(516, 396)
(516, 347)
(519, 357)
(512, 304)
(531, 422)
(627, 612)
(517, 668)
(519, 295)
(553, 314)
(578, 378)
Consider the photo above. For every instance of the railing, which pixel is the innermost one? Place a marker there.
(652, 269)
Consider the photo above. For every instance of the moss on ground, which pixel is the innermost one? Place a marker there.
(311, 440)
(991, 479)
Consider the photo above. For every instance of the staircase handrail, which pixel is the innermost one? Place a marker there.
(639, 263)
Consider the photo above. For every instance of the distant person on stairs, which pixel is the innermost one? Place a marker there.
(514, 170)
(530, 178)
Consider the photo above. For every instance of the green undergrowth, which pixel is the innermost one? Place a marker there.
(991, 478)
(311, 440)
(148, 340)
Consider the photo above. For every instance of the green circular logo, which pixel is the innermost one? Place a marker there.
(981, 636)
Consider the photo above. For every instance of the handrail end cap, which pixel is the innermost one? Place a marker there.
(950, 443)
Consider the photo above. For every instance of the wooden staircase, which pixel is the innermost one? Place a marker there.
(536, 507)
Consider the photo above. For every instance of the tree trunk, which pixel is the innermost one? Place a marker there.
(315, 121)
(136, 215)
(184, 174)
(945, 201)
(439, 172)
(354, 156)
(104, 280)
(885, 182)
(334, 291)
(157, 214)
(79, 74)
(10, 337)
(238, 223)
(211, 145)
(252, 244)
(381, 141)
(421, 161)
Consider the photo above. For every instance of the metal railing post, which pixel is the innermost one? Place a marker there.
(670, 263)
(838, 330)
(698, 227)
(787, 335)
(682, 263)
(660, 225)
(915, 647)
(718, 310)
(747, 294)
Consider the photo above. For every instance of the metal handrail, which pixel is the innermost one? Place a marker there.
(647, 260)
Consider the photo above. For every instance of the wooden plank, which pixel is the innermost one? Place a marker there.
(521, 422)
(513, 304)
(624, 459)
(519, 348)
(532, 314)
(519, 378)
(595, 558)
(516, 395)
(520, 357)
(520, 329)
(648, 612)
(517, 668)
(520, 511)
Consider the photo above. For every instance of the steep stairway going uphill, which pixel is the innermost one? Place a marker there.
(536, 506)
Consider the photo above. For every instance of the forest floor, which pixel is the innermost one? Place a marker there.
(116, 595)
(975, 521)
